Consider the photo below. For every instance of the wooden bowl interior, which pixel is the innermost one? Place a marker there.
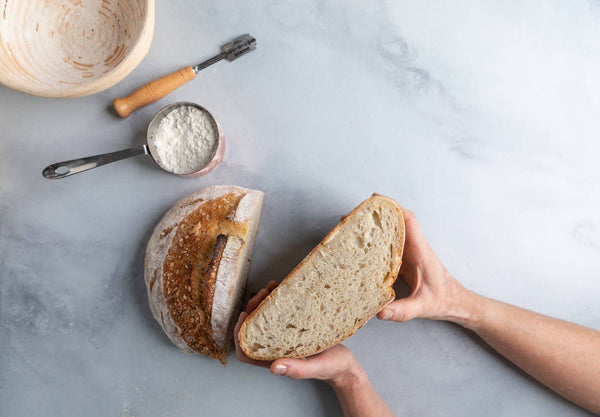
(58, 47)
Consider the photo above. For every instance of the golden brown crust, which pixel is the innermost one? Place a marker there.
(256, 311)
(187, 286)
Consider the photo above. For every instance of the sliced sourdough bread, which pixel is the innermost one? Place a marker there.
(196, 267)
(335, 290)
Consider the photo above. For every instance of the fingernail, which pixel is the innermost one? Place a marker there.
(280, 369)
(386, 315)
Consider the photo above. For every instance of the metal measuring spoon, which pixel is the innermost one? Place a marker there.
(75, 166)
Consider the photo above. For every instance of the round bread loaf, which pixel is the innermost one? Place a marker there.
(196, 267)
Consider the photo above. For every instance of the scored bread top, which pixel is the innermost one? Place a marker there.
(191, 265)
(197, 260)
(335, 290)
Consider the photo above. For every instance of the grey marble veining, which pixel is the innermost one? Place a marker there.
(482, 117)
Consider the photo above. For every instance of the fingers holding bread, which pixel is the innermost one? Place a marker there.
(328, 365)
(401, 310)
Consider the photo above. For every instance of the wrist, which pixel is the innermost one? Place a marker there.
(467, 308)
(354, 377)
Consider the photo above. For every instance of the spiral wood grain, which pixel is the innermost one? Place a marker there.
(72, 48)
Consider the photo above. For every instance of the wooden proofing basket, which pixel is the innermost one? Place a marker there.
(72, 48)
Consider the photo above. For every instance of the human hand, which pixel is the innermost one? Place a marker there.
(336, 365)
(435, 294)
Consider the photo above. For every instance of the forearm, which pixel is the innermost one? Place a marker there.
(561, 355)
(357, 396)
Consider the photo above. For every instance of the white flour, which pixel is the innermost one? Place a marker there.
(185, 140)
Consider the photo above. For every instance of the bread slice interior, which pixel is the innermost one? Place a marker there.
(335, 290)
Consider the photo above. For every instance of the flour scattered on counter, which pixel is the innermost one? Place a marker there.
(186, 140)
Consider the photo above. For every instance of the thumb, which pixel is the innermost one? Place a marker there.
(296, 368)
(401, 310)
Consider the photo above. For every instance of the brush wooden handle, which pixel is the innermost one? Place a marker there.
(153, 91)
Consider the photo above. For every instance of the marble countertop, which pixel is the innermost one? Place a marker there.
(482, 117)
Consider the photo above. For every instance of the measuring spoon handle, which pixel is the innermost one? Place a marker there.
(75, 166)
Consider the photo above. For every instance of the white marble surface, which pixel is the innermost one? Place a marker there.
(482, 117)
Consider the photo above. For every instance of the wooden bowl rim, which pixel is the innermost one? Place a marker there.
(133, 58)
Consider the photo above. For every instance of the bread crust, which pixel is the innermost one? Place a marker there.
(394, 274)
(224, 262)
